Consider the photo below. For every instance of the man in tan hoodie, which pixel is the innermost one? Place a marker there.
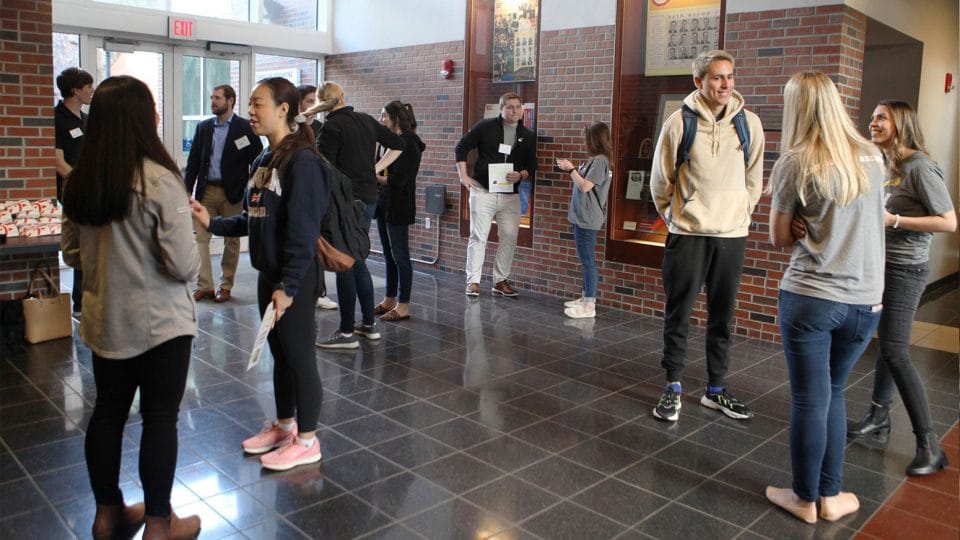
(707, 203)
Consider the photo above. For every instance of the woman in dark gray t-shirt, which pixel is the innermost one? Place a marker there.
(917, 205)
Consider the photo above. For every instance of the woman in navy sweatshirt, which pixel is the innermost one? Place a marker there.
(286, 199)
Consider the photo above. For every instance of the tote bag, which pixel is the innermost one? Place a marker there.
(47, 316)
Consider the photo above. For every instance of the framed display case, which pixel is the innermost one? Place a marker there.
(641, 103)
(502, 55)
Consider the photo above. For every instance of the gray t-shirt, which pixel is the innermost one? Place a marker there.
(841, 258)
(588, 210)
(918, 191)
(509, 134)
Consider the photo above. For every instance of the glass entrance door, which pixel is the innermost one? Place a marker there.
(198, 77)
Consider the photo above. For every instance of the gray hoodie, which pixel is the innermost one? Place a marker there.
(137, 272)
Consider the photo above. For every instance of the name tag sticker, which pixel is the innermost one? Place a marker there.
(76, 132)
(505, 149)
(242, 142)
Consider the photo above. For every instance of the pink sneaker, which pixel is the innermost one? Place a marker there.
(269, 438)
(291, 455)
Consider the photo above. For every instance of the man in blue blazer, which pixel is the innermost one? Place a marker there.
(219, 165)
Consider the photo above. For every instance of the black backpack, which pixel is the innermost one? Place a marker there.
(343, 226)
(690, 133)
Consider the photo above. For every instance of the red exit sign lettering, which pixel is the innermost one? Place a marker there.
(181, 28)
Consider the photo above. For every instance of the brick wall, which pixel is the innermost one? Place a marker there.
(27, 168)
(576, 87)
(412, 74)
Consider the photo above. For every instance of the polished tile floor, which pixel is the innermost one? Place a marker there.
(497, 418)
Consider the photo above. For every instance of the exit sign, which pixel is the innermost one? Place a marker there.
(181, 28)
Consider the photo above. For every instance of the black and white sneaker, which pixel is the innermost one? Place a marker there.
(726, 404)
(368, 331)
(668, 408)
(339, 341)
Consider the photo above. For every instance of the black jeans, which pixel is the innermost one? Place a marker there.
(395, 240)
(297, 391)
(160, 374)
(77, 293)
(356, 284)
(689, 262)
(903, 286)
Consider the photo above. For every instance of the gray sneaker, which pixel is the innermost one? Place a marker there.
(339, 341)
(368, 331)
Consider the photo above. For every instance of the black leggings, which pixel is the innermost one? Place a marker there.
(296, 379)
(160, 374)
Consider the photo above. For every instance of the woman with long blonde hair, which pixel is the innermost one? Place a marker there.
(828, 205)
(918, 204)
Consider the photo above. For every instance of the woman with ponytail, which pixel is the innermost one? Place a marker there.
(397, 210)
(349, 141)
(286, 200)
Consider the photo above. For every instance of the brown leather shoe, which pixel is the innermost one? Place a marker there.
(222, 296)
(504, 288)
(172, 528)
(473, 289)
(199, 295)
(117, 521)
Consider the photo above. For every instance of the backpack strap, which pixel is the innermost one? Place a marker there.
(689, 134)
(743, 133)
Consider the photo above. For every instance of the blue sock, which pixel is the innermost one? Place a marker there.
(676, 387)
(715, 389)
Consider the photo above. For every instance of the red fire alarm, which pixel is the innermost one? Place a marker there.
(948, 83)
(446, 69)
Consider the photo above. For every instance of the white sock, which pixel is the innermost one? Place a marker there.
(307, 442)
(288, 427)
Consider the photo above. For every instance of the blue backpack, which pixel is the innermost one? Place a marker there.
(690, 133)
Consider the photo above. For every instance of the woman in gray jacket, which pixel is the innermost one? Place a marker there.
(127, 225)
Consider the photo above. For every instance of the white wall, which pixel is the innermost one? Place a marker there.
(366, 25)
(937, 24)
(563, 14)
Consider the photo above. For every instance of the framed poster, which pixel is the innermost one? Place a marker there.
(514, 45)
(669, 104)
(677, 31)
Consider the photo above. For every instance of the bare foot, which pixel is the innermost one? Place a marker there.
(842, 504)
(788, 500)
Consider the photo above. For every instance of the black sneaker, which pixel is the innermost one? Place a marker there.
(339, 341)
(726, 404)
(368, 331)
(668, 408)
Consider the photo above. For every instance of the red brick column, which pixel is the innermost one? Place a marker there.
(27, 167)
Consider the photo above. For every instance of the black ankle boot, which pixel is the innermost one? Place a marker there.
(930, 457)
(876, 423)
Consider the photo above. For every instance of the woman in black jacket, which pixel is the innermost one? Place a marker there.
(349, 140)
(396, 210)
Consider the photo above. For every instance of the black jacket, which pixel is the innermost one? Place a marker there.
(283, 221)
(398, 198)
(348, 140)
(235, 163)
(486, 137)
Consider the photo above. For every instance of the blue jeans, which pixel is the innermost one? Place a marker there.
(903, 286)
(395, 240)
(586, 241)
(354, 284)
(822, 340)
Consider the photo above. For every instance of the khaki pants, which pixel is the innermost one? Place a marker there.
(217, 204)
(484, 208)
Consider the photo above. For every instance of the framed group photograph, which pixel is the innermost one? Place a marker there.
(677, 31)
(514, 45)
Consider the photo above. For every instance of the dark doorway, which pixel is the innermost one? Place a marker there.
(891, 69)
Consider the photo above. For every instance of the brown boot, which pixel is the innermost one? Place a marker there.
(172, 528)
(116, 522)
